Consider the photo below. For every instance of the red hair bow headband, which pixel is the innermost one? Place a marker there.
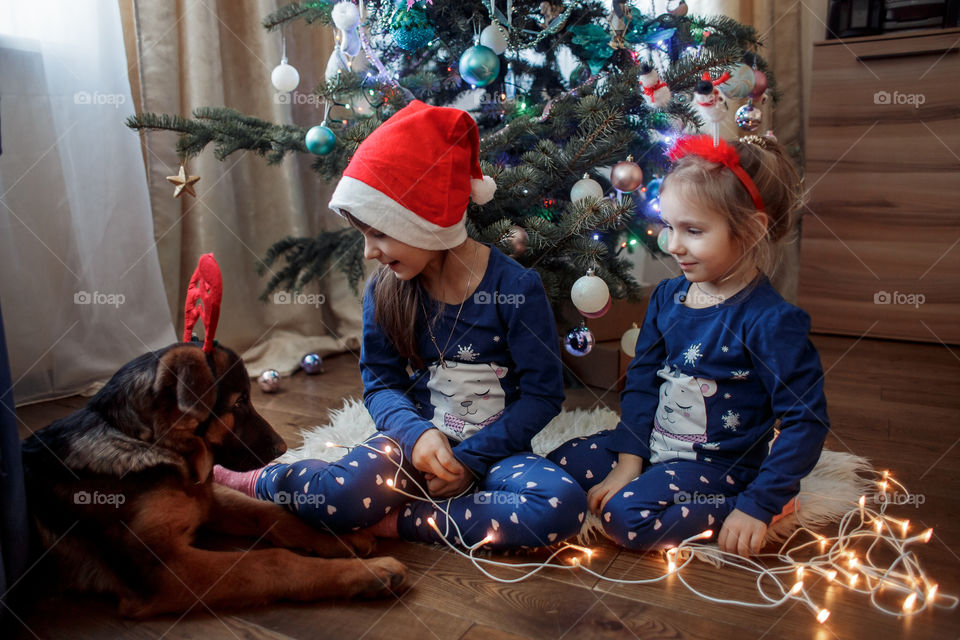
(206, 289)
(723, 154)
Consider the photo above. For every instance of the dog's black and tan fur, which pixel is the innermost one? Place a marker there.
(118, 490)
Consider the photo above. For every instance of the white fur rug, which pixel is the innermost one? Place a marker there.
(831, 490)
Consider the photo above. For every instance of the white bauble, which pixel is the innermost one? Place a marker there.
(589, 293)
(493, 38)
(628, 342)
(585, 188)
(284, 77)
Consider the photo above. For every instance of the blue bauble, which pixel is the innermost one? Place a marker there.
(312, 363)
(579, 341)
(320, 140)
(479, 65)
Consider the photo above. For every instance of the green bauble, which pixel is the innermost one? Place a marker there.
(410, 28)
(479, 65)
(320, 140)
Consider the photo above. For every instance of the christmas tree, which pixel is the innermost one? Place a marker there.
(560, 91)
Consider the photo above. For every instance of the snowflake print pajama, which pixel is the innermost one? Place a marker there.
(668, 502)
(523, 501)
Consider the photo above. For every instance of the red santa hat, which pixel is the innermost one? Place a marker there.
(413, 177)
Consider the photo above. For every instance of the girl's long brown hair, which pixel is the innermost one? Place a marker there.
(396, 304)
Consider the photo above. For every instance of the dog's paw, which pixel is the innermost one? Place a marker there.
(361, 542)
(381, 577)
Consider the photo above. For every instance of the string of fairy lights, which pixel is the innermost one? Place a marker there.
(872, 553)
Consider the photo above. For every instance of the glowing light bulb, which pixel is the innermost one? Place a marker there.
(909, 601)
(389, 482)
(796, 588)
(330, 444)
(432, 522)
(904, 526)
(831, 575)
(387, 449)
(799, 572)
(927, 535)
(853, 579)
(822, 616)
(932, 592)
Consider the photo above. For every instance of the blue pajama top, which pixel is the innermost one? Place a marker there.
(709, 384)
(502, 382)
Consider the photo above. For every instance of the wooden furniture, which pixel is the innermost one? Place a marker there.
(880, 248)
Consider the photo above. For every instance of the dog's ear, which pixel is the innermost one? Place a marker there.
(183, 371)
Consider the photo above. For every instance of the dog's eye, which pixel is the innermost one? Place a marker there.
(242, 400)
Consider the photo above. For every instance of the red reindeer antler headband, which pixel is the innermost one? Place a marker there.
(723, 154)
(206, 289)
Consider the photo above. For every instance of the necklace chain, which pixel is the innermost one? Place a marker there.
(709, 295)
(466, 290)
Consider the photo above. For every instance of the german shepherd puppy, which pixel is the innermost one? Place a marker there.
(118, 489)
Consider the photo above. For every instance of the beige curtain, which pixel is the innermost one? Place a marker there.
(785, 26)
(185, 54)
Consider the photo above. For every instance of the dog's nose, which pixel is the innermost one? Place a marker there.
(279, 449)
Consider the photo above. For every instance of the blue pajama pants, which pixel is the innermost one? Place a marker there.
(523, 501)
(667, 503)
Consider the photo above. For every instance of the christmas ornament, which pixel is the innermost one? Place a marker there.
(589, 293)
(492, 37)
(740, 83)
(749, 117)
(584, 188)
(655, 92)
(269, 381)
(410, 27)
(626, 176)
(346, 18)
(678, 9)
(710, 104)
(479, 65)
(517, 237)
(579, 341)
(653, 188)
(510, 82)
(759, 84)
(628, 342)
(663, 240)
(284, 77)
(204, 294)
(183, 182)
(602, 312)
(312, 363)
(320, 140)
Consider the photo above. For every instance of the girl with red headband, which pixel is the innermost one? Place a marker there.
(723, 367)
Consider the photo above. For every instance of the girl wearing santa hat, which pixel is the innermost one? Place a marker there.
(460, 361)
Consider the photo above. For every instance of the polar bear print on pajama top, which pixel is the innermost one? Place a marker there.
(681, 417)
(466, 397)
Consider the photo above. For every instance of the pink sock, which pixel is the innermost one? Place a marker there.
(243, 481)
(386, 528)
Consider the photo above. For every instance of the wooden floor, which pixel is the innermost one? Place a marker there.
(897, 403)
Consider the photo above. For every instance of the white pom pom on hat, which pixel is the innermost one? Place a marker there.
(414, 176)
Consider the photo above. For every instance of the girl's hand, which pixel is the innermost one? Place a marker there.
(432, 455)
(741, 534)
(628, 467)
(441, 489)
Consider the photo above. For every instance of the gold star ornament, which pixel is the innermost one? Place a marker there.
(183, 182)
